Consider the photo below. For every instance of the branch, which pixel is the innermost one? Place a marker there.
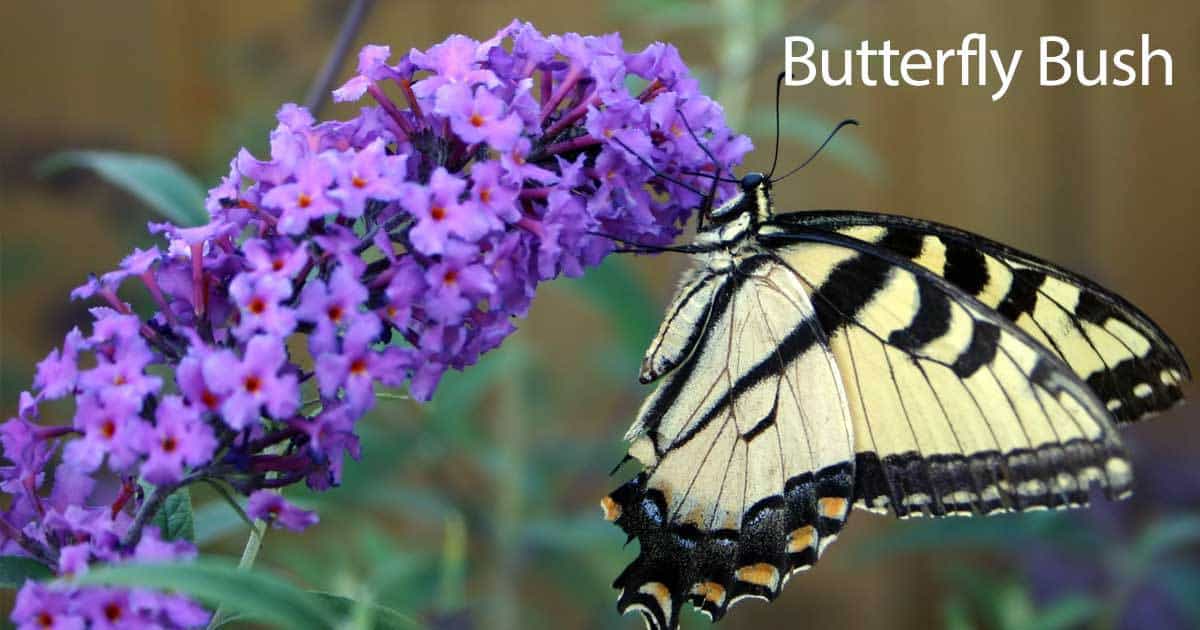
(321, 85)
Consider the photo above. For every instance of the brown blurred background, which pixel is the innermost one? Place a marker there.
(1102, 180)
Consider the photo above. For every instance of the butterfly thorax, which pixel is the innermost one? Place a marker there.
(727, 237)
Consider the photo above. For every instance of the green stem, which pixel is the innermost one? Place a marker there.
(249, 555)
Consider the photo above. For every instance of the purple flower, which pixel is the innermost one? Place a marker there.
(492, 195)
(368, 174)
(452, 61)
(440, 214)
(56, 373)
(478, 116)
(42, 607)
(179, 438)
(111, 427)
(455, 284)
(399, 244)
(357, 366)
(254, 382)
(259, 299)
(304, 199)
(330, 306)
(372, 67)
(271, 507)
(279, 256)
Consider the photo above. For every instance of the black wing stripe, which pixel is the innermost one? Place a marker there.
(1048, 472)
(1134, 382)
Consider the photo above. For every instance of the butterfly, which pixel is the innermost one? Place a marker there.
(815, 362)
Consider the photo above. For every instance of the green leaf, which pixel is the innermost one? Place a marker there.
(174, 519)
(1066, 613)
(379, 617)
(160, 183)
(255, 594)
(14, 570)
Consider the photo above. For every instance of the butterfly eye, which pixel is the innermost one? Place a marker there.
(751, 181)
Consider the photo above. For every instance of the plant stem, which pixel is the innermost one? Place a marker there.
(319, 89)
(249, 554)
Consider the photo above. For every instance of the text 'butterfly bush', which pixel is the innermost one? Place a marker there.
(384, 249)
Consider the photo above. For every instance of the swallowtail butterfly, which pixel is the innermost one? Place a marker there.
(815, 362)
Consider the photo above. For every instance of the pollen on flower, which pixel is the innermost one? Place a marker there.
(108, 428)
(437, 213)
(358, 182)
(252, 384)
(476, 120)
(257, 306)
(485, 194)
(304, 200)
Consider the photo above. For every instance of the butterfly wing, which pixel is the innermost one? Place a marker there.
(747, 449)
(956, 409)
(1123, 356)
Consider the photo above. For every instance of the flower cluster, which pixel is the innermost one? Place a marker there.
(380, 250)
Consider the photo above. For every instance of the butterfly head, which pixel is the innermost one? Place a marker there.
(752, 203)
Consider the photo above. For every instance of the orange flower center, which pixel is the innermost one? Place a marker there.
(277, 264)
(169, 444)
(252, 384)
(391, 311)
(450, 278)
(476, 120)
(119, 379)
(485, 195)
(335, 313)
(112, 611)
(257, 306)
(45, 619)
(108, 429)
(438, 213)
(209, 399)
(358, 367)
(358, 182)
(304, 200)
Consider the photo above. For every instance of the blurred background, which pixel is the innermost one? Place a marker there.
(480, 508)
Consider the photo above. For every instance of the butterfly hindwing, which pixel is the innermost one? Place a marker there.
(747, 449)
(1123, 356)
(956, 410)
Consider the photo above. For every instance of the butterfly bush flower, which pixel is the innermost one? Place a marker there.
(377, 251)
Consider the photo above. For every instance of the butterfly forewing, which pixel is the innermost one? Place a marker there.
(1123, 356)
(956, 410)
(748, 453)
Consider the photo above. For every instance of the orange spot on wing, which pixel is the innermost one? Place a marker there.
(832, 507)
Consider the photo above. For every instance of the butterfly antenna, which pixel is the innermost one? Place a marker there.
(848, 121)
(716, 175)
(657, 173)
(775, 158)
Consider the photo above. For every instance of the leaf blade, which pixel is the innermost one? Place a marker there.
(158, 182)
(256, 595)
